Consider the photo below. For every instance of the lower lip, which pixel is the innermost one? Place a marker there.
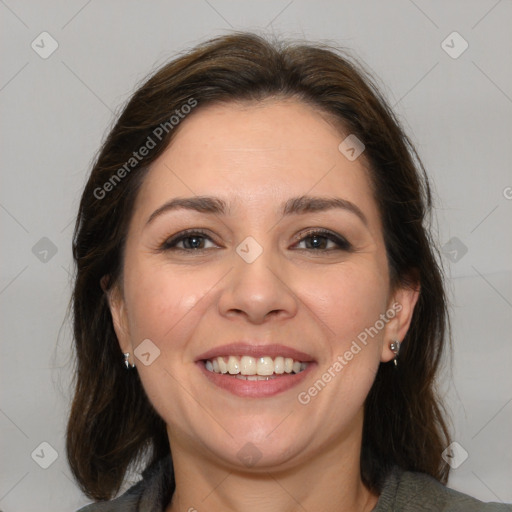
(256, 388)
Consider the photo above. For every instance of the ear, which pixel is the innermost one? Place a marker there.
(117, 308)
(402, 303)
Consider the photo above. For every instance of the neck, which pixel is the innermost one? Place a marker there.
(329, 481)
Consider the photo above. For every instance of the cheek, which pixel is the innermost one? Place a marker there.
(165, 304)
(347, 300)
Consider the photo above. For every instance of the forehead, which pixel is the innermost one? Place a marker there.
(251, 154)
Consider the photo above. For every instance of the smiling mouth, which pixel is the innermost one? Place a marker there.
(254, 368)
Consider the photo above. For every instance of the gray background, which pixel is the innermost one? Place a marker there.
(55, 112)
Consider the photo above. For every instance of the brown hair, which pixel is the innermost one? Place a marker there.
(112, 424)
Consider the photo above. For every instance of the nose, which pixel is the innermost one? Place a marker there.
(258, 291)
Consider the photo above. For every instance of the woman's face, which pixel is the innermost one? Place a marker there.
(277, 272)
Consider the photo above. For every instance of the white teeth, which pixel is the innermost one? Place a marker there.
(265, 366)
(233, 365)
(279, 365)
(223, 367)
(255, 377)
(248, 365)
(251, 368)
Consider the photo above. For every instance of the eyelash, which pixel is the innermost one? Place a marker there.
(343, 245)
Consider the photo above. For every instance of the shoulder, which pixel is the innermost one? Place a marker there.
(418, 492)
(150, 494)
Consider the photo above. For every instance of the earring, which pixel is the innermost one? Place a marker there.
(126, 362)
(395, 348)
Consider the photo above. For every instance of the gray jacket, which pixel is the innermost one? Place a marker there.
(403, 491)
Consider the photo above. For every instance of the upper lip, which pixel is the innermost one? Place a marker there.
(254, 350)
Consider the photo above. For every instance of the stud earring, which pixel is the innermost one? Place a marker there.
(395, 348)
(127, 362)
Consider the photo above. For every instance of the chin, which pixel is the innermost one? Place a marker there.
(258, 448)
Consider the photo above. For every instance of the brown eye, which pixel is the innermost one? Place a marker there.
(192, 240)
(323, 240)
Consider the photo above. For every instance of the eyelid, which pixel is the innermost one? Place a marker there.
(341, 241)
(170, 241)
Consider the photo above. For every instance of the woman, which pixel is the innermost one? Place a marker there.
(257, 294)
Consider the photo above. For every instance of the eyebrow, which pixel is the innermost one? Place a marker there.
(294, 206)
